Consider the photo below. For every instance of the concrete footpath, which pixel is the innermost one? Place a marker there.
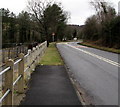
(50, 85)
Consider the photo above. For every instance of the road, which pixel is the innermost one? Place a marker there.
(96, 71)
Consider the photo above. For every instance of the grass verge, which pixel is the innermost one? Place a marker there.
(52, 56)
(101, 48)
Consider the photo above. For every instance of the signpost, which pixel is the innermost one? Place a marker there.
(53, 34)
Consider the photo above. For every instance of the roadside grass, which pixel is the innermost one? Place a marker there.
(100, 47)
(52, 56)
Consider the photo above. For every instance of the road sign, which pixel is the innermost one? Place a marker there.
(53, 34)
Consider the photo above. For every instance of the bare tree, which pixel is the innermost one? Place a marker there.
(104, 9)
(36, 9)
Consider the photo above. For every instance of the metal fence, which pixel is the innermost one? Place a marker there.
(17, 73)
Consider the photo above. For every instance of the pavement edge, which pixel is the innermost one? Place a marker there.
(79, 94)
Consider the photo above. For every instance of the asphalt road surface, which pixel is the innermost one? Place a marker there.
(50, 85)
(96, 71)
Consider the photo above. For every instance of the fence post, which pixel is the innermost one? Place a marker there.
(29, 61)
(35, 56)
(45, 45)
(32, 51)
(33, 59)
(40, 49)
(38, 54)
(37, 51)
(30, 58)
(21, 72)
(8, 83)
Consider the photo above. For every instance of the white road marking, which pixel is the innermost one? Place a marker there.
(97, 56)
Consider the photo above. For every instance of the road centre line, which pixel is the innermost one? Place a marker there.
(97, 56)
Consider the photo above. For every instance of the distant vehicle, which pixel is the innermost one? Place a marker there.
(64, 39)
(75, 39)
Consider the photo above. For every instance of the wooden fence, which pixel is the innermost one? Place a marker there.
(12, 53)
(16, 73)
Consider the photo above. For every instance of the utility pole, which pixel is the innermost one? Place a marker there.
(119, 8)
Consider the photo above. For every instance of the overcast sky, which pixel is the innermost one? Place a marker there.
(79, 10)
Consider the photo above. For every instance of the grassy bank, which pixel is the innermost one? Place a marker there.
(52, 56)
(100, 47)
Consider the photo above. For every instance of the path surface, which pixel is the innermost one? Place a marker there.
(50, 85)
(95, 70)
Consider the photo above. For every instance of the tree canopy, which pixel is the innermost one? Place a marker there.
(50, 18)
(103, 27)
(36, 25)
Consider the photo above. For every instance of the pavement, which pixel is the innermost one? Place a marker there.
(95, 70)
(50, 85)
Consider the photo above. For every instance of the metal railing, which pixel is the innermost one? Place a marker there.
(33, 56)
